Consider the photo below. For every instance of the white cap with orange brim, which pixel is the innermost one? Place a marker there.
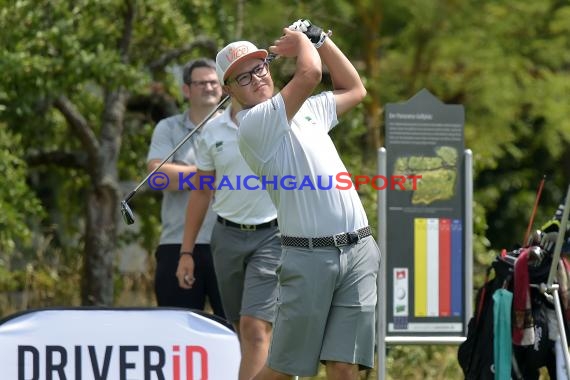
(233, 53)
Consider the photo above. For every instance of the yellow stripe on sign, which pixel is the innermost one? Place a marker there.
(420, 267)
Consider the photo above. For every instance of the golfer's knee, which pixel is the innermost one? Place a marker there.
(254, 331)
(340, 370)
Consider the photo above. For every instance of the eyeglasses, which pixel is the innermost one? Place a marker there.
(204, 83)
(244, 79)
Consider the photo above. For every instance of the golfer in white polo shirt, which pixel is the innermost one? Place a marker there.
(245, 241)
(327, 276)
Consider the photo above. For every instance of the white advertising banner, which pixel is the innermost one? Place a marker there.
(116, 344)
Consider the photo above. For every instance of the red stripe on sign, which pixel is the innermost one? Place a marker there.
(444, 267)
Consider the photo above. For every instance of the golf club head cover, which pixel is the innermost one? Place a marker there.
(315, 33)
(549, 236)
(548, 240)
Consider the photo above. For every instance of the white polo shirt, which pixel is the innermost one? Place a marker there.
(239, 196)
(303, 150)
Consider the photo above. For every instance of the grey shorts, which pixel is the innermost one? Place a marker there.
(326, 307)
(245, 264)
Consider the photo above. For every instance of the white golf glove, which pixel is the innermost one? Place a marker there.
(315, 33)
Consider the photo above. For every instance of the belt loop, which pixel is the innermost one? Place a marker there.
(310, 240)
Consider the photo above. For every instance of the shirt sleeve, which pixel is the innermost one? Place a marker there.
(204, 159)
(261, 128)
(161, 142)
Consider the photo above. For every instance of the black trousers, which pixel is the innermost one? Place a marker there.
(166, 288)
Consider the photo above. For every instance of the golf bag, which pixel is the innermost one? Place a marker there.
(476, 354)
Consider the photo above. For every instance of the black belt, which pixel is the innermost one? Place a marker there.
(338, 240)
(248, 227)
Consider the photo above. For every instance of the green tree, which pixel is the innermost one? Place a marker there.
(85, 81)
(18, 203)
(505, 62)
(70, 68)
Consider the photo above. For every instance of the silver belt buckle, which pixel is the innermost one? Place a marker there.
(335, 240)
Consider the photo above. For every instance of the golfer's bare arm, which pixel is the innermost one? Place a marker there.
(308, 70)
(348, 89)
(195, 213)
(173, 171)
(196, 209)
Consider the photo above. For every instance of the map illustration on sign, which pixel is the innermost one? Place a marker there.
(438, 174)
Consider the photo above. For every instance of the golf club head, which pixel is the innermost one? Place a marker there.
(127, 213)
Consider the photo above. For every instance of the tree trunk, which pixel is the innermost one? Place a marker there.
(103, 201)
(371, 18)
(100, 242)
(103, 208)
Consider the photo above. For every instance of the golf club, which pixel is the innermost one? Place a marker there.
(126, 211)
(532, 215)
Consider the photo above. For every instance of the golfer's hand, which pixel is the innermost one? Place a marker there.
(185, 272)
(313, 32)
(290, 43)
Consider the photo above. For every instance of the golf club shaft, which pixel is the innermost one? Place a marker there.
(269, 58)
(531, 221)
(175, 149)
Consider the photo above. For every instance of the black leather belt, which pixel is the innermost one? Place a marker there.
(338, 240)
(248, 227)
